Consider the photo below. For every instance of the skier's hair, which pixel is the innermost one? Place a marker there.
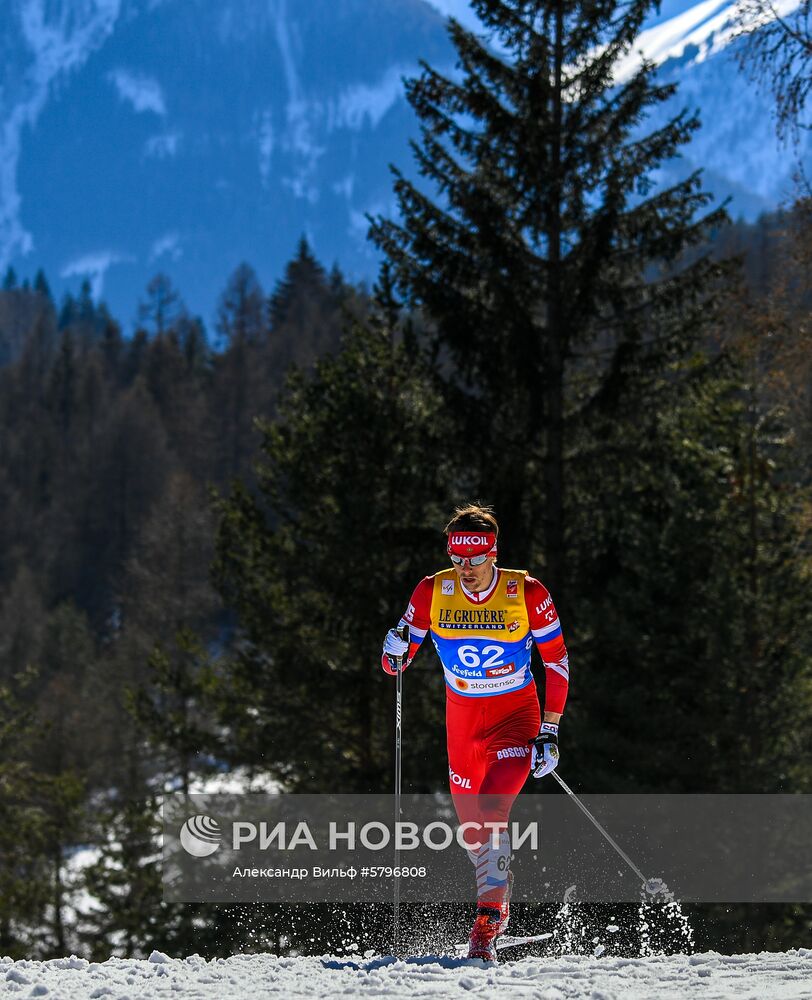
(473, 517)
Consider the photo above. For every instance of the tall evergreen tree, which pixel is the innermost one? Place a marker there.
(305, 314)
(21, 311)
(67, 311)
(534, 258)
(162, 307)
(349, 512)
(129, 917)
(131, 462)
(41, 285)
(24, 865)
(303, 274)
(695, 627)
(241, 312)
(241, 389)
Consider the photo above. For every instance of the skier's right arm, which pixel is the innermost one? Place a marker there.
(418, 619)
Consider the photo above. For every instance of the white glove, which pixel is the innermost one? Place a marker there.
(393, 645)
(544, 755)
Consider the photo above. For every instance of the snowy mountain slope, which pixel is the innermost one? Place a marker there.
(694, 34)
(50, 46)
(198, 135)
(736, 146)
(779, 976)
(187, 136)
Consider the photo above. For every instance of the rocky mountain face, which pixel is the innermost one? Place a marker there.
(186, 136)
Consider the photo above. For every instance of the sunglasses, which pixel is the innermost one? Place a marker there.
(472, 561)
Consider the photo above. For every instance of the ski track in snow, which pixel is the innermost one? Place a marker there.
(773, 975)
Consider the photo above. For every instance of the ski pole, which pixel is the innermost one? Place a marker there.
(403, 632)
(652, 886)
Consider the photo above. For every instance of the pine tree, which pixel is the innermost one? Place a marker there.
(85, 305)
(169, 615)
(694, 622)
(534, 258)
(241, 313)
(348, 516)
(63, 803)
(68, 311)
(241, 389)
(129, 917)
(131, 460)
(163, 305)
(170, 706)
(41, 285)
(62, 388)
(24, 875)
(165, 584)
(305, 312)
(304, 276)
(81, 316)
(21, 311)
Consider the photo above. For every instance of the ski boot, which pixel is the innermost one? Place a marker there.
(492, 917)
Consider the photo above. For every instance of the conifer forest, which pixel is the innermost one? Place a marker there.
(207, 528)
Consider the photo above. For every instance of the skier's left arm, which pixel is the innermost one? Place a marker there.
(546, 630)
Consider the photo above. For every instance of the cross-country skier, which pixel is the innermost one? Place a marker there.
(483, 621)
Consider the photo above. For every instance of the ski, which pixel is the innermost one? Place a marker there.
(506, 941)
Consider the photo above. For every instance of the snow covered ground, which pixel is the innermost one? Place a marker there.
(768, 976)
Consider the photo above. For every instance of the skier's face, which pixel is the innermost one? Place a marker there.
(475, 578)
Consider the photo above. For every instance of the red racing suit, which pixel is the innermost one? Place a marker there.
(485, 642)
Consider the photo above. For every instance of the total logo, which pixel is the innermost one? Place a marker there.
(458, 780)
(200, 836)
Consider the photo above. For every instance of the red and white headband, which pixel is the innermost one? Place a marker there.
(472, 543)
